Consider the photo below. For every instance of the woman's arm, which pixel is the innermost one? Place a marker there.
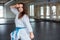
(13, 8)
(28, 25)
(26, 22)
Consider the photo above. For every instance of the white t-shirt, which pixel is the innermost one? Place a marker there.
(23, 22)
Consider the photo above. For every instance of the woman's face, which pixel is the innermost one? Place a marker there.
(20, 8)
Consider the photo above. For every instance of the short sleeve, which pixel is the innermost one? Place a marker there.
(14, 10)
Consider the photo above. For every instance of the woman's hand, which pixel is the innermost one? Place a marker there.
(31, 35)
(17, 5)
(14, 6)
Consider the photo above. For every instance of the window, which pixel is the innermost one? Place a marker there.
(42, 12)
(1, 11)
(54, 11)
(47, 12)
(59, 17)
(31, 10)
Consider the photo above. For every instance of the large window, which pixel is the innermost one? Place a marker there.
(59, 17)
(31, 10)
(47, 12)
(1, 11)
(42, 12)
(54, 12)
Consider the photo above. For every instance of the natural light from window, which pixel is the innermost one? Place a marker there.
(42, 12)
(31, 10)
(1, 11)
(54, 11)
(47, 12)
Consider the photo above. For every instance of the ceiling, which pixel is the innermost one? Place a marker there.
(3, 1)
(27, 1)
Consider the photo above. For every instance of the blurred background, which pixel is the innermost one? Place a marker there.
(44, 18)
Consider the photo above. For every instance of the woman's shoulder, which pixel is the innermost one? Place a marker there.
(25, 15)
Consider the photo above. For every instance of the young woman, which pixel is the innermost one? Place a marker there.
(23, 29)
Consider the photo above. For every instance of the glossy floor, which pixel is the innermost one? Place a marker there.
(43, 30)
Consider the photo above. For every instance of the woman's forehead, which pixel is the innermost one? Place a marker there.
(21, 5)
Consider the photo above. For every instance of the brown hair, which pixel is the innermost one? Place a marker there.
(24, 10)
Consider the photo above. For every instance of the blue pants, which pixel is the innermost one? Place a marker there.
(20, 33)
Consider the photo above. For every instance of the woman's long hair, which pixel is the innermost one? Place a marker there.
(24, 10)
